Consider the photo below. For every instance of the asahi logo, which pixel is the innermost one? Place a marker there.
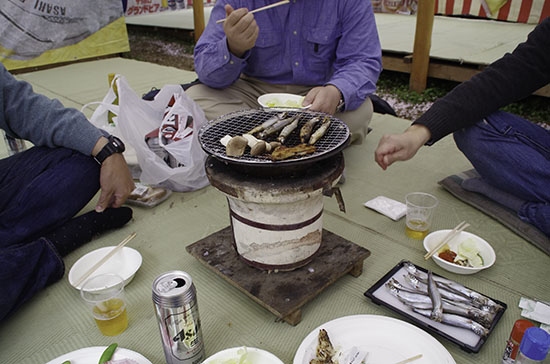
(49, 9)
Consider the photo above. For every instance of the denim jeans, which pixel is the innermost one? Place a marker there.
(513, 155)
(40, 190)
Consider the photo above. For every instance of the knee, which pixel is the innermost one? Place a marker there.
(467, 138)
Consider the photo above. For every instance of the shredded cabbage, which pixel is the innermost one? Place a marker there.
(242, 358)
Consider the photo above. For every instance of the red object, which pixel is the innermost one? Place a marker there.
(517, 334)
(448, 255)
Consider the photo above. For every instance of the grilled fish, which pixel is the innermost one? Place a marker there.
(325, 350)
(287, 130)
(307, 129)
(321, 130)
(269, 122)
(282, 152)
(275, 128)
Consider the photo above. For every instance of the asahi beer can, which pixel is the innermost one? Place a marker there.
(175, 301)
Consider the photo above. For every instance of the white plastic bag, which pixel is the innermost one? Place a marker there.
(137, 117)
(100, 119)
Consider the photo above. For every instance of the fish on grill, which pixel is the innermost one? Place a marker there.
(307, 129)
(282, 152)
(287, 130)
(321, 130)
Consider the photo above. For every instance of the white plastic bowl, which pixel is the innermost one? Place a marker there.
(485, 250)
(256, 356)
(125, 263)
(281, 101)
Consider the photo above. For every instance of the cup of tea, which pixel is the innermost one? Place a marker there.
(104, 295)
(420, 210)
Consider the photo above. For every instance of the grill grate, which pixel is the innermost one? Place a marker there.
(240, 122)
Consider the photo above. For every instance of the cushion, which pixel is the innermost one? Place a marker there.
(497, 211)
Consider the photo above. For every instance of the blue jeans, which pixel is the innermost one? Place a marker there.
(513, 155)
(40, 190)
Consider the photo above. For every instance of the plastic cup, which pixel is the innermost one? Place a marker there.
(420, 210)
(104, 295)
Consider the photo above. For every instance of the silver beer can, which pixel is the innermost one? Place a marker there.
(175, 301)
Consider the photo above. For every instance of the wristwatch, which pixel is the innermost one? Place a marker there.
(114, 145)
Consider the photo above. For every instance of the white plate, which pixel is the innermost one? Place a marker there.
(125, 263)
(387, 340)
(281, 100)
(92, 354)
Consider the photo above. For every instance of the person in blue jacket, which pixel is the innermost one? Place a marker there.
(325, 50)
(44, 187)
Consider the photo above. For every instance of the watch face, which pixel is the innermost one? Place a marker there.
(118, 144)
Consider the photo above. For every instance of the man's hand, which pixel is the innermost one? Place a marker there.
(241, 30)
(115, 179)
(323, 98)
(401, 147)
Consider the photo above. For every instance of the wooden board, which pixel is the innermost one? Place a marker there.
(282, 293)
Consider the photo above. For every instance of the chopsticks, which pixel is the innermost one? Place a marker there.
(413, 358)
(104, 259)
(457, 230)
(260, 9)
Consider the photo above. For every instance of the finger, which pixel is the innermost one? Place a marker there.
(103, 202)
(235, 17)
(228, 10)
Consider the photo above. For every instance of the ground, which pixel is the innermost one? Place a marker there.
(175, 48)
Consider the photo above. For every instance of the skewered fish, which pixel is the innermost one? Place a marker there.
(325, 350)
(287, 130)
(282, 152)
(321, 130)
(307, 129)
(456, 320)
(269, 122)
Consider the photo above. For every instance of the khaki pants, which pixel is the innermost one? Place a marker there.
(243, 94)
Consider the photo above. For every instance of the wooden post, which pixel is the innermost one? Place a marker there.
(422, 44)
(198, 18)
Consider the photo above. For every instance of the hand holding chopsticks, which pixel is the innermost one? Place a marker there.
(104, 259)
(260, 9)
(457, 230)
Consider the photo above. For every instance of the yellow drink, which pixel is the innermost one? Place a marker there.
(111, 317)
(416, 229)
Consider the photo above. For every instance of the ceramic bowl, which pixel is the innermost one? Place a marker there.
(485, 250)
(281, 101)
(254, 355)
(125, 263)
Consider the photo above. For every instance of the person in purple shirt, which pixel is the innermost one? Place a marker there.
(325, 50)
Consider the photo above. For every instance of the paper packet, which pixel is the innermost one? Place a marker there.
(386, 206)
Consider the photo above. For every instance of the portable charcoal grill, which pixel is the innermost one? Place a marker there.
(240, 122)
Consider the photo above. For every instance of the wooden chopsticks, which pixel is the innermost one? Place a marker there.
(457, 230)
(260, 9)
(413, 358)
(104, 259)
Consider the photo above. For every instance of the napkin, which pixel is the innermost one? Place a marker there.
(534, 310)
(386, 206)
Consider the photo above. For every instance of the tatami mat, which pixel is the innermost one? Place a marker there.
(453, 39)
(56, 321)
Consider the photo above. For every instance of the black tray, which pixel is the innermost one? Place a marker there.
(462, 337)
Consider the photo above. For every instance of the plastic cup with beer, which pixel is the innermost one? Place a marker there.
(420, 210)
(104, 295)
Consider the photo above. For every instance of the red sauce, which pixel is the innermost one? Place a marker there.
(448, 255)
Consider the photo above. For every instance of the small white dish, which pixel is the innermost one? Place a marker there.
(254, 355)
(282, 101)
(125, 263)
(485, 250)
(92, 354)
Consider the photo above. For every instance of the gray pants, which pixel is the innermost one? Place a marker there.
(243, 94)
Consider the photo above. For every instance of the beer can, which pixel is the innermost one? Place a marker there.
(175, 301)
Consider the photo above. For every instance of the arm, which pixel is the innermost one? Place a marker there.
(358, 55)
(43, 121)
(511, 78)
(221, 52)
(115, 179)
